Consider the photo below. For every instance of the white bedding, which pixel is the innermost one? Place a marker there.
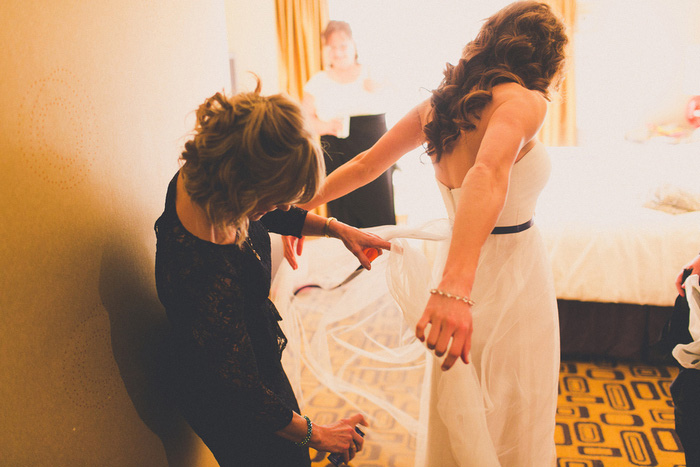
(605, 246)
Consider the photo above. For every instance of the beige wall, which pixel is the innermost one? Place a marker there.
(96, 99)
(630, 66)
(252, 36)
(252, 44)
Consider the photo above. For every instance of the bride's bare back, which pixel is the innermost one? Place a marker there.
(454, 165)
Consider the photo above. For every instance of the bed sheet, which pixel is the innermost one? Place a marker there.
(604, 245)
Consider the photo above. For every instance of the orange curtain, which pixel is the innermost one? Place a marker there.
(299, 27)
(559, 128)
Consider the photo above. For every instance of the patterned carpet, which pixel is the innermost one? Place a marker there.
(609, 415)
(613, 415)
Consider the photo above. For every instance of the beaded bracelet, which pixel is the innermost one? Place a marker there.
(326, 230)
(309, 429)
(466, 300)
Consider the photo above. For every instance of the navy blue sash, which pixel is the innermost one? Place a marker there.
(509, 229)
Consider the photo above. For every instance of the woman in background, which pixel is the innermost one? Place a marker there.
(249, 159)
(494, 304)
(345, 108)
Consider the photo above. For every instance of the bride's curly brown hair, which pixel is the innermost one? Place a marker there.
(523, 43)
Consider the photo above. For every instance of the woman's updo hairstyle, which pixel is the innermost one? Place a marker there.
(248, 151)
(523, 43)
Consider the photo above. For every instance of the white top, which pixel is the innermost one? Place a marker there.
(338, 100)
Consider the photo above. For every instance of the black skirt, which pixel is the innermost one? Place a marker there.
(372, 204)
(225, 427)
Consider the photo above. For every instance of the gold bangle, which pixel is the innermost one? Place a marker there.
(326, 230)
(466, 300)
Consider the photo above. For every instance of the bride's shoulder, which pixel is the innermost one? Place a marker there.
(518, 107)
(520, 100)
(505, 92)
(423, 111)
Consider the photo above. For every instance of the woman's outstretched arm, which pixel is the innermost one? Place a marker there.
(403, 137)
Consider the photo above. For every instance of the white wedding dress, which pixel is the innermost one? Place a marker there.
(499, 410)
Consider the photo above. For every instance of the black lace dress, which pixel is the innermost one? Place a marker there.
(227, 377)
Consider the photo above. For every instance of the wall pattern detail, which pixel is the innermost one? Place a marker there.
(90, 375)
(57, 104)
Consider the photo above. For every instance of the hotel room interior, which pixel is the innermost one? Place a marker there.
(98, 99)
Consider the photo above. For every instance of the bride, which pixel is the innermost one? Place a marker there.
(493, 306)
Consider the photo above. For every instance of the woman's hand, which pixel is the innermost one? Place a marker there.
(370, 85)
(449, 319)
(293, 247)
(331, 127)
(339, 437)
(694, 267)
(357, 241)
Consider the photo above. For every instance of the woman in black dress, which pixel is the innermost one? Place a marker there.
(249, 159)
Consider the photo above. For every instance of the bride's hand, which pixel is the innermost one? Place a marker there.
(449, 319)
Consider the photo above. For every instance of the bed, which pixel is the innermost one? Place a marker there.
(619, 223)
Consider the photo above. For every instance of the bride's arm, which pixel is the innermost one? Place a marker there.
(403, 137)
(483, 196)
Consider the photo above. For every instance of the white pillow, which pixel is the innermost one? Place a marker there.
(673, 200)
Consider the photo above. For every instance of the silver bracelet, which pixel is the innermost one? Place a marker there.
(466, 300)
